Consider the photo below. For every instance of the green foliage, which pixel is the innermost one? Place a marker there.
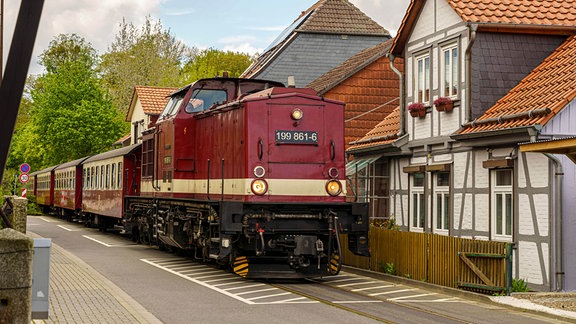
(389, 223)
(388, 268)
(32, 206)
(146, 56)
(72, 116)
(211, 62)
(520, 285)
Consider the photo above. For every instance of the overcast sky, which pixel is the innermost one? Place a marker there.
(246, 26)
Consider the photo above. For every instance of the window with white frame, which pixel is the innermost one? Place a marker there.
(502, 204)
(422, 79)
(449, 68)
(418, 201)
(441, 202)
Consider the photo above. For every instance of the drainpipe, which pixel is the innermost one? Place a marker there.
(559, 262)
(391, 58)
(471, 41)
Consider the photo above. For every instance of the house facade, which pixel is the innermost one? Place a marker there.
(509, 71)
(322, 37)
(145, 106)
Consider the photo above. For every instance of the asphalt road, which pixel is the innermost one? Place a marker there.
(176, 289)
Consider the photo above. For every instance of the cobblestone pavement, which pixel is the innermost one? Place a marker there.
(79, 294)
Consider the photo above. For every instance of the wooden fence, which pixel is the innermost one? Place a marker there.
(483, 266)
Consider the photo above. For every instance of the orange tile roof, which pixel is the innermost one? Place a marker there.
(153, 99)
(349, 67)
(518, 12)
(385, 132)
(537, 98)
(536, 16)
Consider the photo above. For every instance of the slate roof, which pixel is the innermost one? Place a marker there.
(537, 98)
(384, 133)
(326, 17)
(153, 99)
(339, 17)
(350, 67)
(539, 16)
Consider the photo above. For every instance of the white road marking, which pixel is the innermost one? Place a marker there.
(68, 229)
(168, 266)
(370, 288)
(48, 220)
(108, 244)
(357, 301)
(357, 283)
(391, 292)
(413, 296)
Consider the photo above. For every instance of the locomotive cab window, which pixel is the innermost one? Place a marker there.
(203, 99)
(172, 105)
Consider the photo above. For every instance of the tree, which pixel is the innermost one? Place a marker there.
(72, 116)
(147, 56)
(211, 62)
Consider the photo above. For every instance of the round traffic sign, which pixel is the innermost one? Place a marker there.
(24, 168)
(24, 178)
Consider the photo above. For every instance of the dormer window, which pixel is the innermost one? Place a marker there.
(449, 68)
(422, 79)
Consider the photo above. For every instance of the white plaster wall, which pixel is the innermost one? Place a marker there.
(137, 115)
(530, 269)
(482, 219)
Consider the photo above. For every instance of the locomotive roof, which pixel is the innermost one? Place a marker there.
(238, 81)
(117, 152)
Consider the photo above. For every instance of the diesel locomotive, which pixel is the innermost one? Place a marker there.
(248, 173)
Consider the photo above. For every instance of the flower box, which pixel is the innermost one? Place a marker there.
(417, 109)
(444, 104)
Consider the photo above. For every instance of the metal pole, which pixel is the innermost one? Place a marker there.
(16, 70)
(1, 38)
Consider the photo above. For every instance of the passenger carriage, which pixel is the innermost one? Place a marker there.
(44, 188)
(68, 189)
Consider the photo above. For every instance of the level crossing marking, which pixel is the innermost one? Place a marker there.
(357, 301)
(391, 292)
(413, 296)
(370, 288)
(357, 283)
(196, 276)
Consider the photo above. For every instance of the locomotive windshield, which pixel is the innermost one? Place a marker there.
(172, 105)
(203, 99)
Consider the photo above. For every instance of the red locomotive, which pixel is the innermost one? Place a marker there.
(245, 172)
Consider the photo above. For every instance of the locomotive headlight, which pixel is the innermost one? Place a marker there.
(259, 187)
(333, 173)
(333, 187)
(296, 114)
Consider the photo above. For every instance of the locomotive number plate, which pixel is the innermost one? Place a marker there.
(296, 137)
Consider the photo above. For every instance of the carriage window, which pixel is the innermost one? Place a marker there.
(203, 99)
(113, 175)
(119, 175)
(101, 177)
(107, 176)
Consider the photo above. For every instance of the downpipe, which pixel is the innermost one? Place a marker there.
(559, 217)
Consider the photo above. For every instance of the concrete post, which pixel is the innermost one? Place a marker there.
(18, 215)
(16, 251)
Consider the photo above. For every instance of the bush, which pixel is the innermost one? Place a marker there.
(520, 285)
(388, 268)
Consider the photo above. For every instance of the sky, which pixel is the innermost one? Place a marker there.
(247, 26)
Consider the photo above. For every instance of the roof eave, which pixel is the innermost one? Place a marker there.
(394, 146)
(503, 136)
(526, 28)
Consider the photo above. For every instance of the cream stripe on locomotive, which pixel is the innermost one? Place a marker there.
(277, 187)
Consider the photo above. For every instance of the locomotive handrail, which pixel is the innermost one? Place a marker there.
(156, 185)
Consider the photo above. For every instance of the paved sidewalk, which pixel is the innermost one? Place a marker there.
(79, 294)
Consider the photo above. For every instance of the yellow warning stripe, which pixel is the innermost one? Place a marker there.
(241, 266)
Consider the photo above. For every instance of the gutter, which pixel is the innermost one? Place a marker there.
(391, 58)
(558, 219)
(537, 112)
(468, 55)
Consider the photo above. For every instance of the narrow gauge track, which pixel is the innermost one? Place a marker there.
(381, 310)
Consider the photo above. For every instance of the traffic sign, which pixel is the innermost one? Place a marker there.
(24, 168)
(24, 177)
(23, 192)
